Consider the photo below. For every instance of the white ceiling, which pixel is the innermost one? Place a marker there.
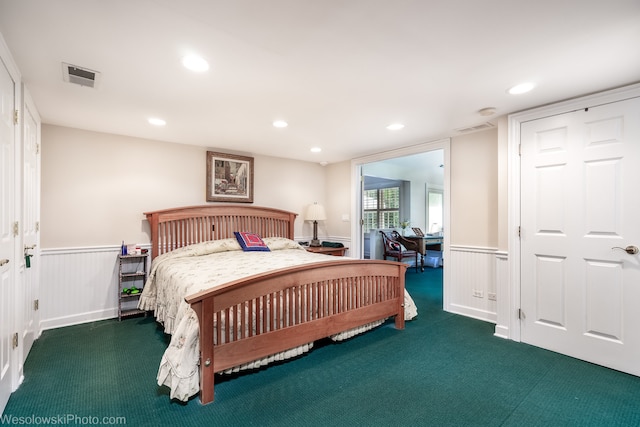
(425, 167)
(338, 71)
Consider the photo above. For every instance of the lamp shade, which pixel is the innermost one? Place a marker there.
(315, 212)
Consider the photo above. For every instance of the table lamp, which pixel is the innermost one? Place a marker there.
(315, 213)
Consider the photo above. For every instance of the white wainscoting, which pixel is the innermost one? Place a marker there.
(473, 282)
(78, 285)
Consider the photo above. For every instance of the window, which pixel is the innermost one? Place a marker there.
(381, 208)
(434, 212)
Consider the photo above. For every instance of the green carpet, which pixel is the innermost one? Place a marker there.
(441, 370)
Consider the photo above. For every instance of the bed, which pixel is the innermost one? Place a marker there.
(274, 304)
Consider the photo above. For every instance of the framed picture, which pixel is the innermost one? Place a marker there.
(229, 178)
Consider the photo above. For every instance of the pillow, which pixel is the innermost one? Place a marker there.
(250, 242)
(393, 246)
(279, 243)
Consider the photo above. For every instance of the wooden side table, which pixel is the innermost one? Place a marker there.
(326, 250)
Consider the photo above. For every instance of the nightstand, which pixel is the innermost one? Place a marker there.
(326, 250)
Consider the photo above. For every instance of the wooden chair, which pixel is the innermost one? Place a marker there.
(395, 246)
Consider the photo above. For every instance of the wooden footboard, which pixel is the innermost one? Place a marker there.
(285, 308)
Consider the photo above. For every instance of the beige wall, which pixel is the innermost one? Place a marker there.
(96, 186)
(503, 181)
(474, 189)
(478, 181)
(338, 200)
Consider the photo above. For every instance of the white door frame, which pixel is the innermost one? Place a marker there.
(356, 199)
(511, 325)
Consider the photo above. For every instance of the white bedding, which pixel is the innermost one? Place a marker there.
(194, 268)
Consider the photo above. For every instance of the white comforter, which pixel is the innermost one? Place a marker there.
(194, 268)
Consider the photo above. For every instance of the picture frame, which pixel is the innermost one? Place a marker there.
(418, 232)
(229, 178)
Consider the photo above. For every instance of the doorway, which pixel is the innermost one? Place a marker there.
(419, 171)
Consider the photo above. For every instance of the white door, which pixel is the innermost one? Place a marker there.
(30, 227)
(7, 239)
(579, 204)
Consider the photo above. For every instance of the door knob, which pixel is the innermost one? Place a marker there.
(3, 262)
(631, 249)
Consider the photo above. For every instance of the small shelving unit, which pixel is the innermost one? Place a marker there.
(132, 272)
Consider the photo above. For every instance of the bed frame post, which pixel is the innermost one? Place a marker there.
(204, 311)
(399, 319)
(153, 223)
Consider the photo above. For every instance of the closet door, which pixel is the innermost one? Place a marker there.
(30, 277)
(580, 207)
(7, 238)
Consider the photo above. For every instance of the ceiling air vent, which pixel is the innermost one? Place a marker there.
(80, 76)
(482, 126)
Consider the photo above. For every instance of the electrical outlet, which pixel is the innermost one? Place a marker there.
(477, 293)
(491, 296)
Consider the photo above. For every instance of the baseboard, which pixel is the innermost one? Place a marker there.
(78, 319)
(501, 332)
(472, 312)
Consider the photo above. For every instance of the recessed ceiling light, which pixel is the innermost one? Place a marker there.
(316, 149)
(280, 124)
(395, 126)
(195, 63)
(157, 122)
(521, 88)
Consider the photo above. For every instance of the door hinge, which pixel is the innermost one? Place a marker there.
(519, 149)
(15, 340)
(519, 231)
(37, 148)
(15, 117)
(37, 226)
(36, 305)
(16, 228)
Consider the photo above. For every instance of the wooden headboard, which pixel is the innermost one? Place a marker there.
(178, 227)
